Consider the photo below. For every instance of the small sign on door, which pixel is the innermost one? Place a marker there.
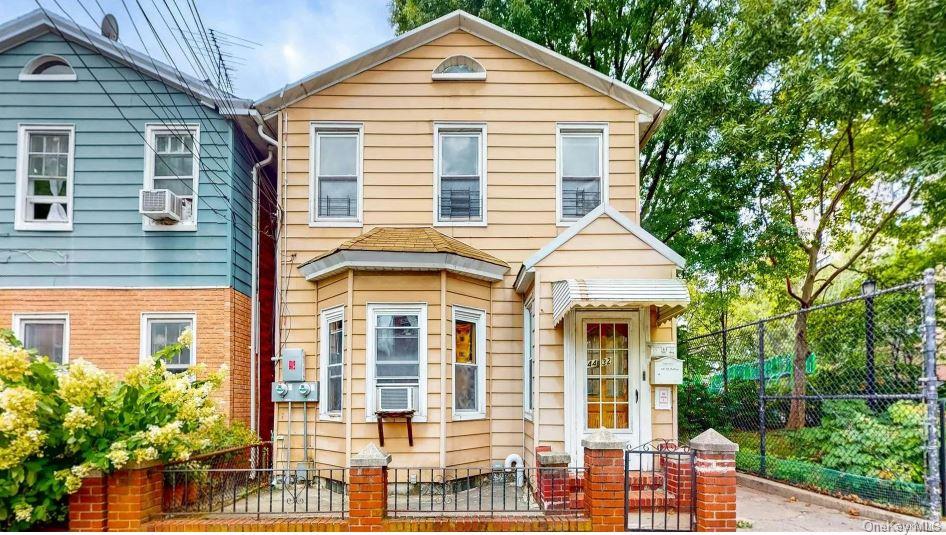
(663, 398)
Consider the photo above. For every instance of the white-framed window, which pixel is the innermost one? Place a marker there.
(460, 174)
(172, 162)
(44, 177)
(159, 329)
(460, 68)
(528, 361)
(397, 354)
(47, 333)
(332, 363)
(48, 68)
(582, 168)
(469, 363)
(335, 183)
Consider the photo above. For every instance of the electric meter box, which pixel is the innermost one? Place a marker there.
(666, 371)
(293, 365)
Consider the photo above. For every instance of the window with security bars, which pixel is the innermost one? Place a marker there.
(337, 168)
(582, 171)
(174, 163)
(460, 174)
(48, 192)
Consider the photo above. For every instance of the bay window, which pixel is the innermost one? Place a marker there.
(469, 363)
(332, 363)
(397, 357)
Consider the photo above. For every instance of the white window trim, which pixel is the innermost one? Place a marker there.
(314, 220)
(373, 310)
(527, 393)
(591, 128)
(479, 73)
(449, 126)
(144, 334)
(477, 317)
(26, 76)
(151, 131)
(20, 318)
(326, 317)
(22, 172)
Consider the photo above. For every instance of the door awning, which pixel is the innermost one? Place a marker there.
(669, 295)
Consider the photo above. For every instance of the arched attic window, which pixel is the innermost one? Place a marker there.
(48, 67)
(459, 67)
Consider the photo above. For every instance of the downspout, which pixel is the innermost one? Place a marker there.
(254, 285)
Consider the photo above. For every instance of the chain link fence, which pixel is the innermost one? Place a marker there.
(833, 398)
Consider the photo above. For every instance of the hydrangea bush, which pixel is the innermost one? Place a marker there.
(60, 423)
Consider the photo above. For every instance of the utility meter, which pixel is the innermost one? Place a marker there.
(293, 365)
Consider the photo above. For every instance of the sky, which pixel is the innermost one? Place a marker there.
(295, 37)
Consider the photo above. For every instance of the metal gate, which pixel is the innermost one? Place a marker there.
(659, 488)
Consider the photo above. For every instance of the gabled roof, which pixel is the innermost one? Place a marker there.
(652, 111)
(405, 249)
(581, 224)
(39, 22)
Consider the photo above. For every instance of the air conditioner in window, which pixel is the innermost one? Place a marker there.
(395, 398)
(161, 205)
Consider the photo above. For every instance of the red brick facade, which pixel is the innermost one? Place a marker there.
(715, 491)
(604, 488)
(105, 327)
(88, 508)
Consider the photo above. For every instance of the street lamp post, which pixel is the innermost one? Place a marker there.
(868, 288)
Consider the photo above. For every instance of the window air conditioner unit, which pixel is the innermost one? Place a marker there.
(160, 205)
(395, 398)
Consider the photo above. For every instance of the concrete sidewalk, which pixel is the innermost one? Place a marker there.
(769, 512)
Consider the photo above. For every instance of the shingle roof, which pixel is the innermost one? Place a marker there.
(411, 240)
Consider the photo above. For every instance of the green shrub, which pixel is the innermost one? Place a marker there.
(58, 423)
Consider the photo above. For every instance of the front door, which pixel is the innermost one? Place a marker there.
(608, 371)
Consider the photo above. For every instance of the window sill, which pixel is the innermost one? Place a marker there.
(460, 223)
(47, 77)
(526, 415)
(468, 416)
(48, 227)
(337, 224)
(416, 419)
(330, 418)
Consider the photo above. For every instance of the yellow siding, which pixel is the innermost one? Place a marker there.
(398, 104)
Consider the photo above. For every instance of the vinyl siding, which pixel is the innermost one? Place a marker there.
(107, 246)
(398, 105)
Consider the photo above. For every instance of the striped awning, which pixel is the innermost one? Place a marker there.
(669, 295)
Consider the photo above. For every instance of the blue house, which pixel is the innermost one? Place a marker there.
(129, 205)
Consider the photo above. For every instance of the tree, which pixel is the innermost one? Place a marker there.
(847, 135)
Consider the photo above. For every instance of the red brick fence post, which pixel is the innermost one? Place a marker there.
(88, 506)
(368, 489)
(715, 481)
(604, 481)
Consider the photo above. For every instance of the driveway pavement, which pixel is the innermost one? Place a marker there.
(768, 512)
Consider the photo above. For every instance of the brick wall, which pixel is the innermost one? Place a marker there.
(715, 491)
(105, 327)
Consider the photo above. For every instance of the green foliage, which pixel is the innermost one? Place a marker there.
(58, 423)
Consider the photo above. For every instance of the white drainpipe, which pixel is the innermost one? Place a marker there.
(254, 285)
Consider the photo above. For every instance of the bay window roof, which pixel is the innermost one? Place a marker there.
(405, 249)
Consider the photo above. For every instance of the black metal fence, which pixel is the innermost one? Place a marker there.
(425, 491)
(659, 488)
(244, 481)
(839, 398)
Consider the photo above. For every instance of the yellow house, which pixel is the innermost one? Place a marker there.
(461, 245)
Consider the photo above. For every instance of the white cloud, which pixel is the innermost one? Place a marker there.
(297, 37)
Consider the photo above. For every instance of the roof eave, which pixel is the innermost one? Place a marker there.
(341, 260)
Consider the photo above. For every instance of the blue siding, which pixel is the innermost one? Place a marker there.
(107, 246)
